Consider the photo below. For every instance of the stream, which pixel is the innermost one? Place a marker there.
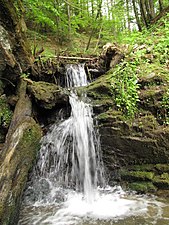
(68, 184)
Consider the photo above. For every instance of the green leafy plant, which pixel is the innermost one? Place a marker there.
(5, 113)
(125, 86)
(24, 75)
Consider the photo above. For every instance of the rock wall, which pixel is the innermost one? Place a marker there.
(135, 151)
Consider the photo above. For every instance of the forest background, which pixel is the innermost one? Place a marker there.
(84, 26)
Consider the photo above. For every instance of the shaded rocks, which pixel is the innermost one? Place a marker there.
(134, 142)
(147, 178)
(47, 95)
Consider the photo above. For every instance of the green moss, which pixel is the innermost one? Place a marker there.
(31, 137)
(5, 117)
(145, 167)
(137, 175)
(153, 73)
(111, 115)
(162, 167)
(162, 181)
(143, 187)
(47, 94)
(145, 123)
(152, 93)
(100, 88)
(1, 87)
(5, 113)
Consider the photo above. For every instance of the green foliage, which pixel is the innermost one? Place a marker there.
(142, 187)
(5, 113)
(125, 86)
(64, 19)
(24, 75)
(157, 37)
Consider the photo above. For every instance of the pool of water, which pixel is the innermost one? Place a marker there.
(110, 206)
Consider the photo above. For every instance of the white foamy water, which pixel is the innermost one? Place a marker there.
(68, 184)
(105, 206)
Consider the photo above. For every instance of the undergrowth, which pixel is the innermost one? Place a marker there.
(148, 56)
(124, 84)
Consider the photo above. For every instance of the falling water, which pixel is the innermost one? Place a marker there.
(70, 150)
(68, 185)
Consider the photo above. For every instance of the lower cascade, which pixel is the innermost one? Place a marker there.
(68, 184)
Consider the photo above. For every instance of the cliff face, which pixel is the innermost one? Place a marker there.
(135, 150)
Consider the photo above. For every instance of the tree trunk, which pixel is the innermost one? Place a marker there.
(15, 54)
(136, 16)
(143, 12)
(99, 7)
(152, 11)
(128, 15)
(69, 19)
(148, 13)
(160, 5)
(17, 157)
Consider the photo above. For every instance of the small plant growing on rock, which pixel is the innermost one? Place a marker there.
(5, 113)
(125, 86)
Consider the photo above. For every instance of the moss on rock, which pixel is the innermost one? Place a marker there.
(162, 168)
(143, 187)
(147, 178)
(100, 91)
(137, 175)
(47, 94)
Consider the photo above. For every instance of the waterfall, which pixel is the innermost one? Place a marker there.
(68, 185)
(69, 154)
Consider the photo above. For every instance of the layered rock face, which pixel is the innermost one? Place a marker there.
(135, 151)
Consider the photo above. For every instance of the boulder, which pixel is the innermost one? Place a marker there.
(47, 95)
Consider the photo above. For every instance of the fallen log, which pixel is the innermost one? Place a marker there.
(75, 58)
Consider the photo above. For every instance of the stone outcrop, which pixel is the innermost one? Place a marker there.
(135, 151)
(48, 95)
